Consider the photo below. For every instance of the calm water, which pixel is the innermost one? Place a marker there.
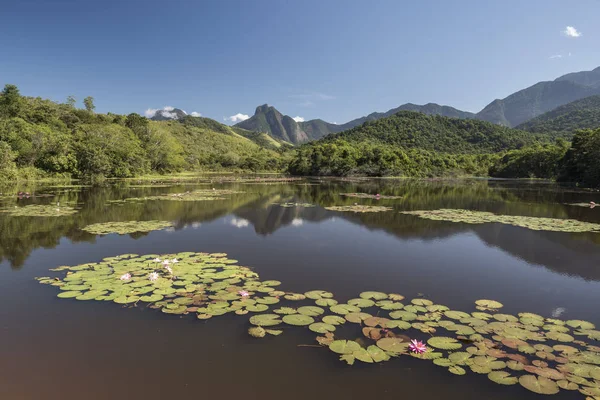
(66, 349)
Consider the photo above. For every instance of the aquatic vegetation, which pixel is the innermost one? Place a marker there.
(417, 346)
(196, 195)
(292, 205)
(39, 210)
(358, 208)
(544, 355)
(370, 196)
(123, 228)
(584, 205)
(481, 217)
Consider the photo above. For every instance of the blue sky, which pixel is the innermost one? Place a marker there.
(330, 59)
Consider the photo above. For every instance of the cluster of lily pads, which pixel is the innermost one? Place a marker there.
(481, 217)
(196, 195)
(357, 208)
(293, 205)
(40, 210)
(370, 196)
(543, 355)
(126, 227)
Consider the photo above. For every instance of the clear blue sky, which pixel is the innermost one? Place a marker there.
(330, 59)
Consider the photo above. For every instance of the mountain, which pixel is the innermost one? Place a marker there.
(267, 119)
(282, 127)
(535, 100)
(428, 109)
(409, 129)
(168, 113)
(564, 120)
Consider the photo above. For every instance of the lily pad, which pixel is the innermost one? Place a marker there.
(344, 346)
(393, 345)
(539, 385)
(334, 320)
(321, 327)
(265, 320)
(373, 295)
(298, 319)
(444, 343)
(502, 377)
(311, 311)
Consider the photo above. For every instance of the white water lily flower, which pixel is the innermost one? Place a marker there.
(174, 260)
(169, 269)
(153, 276)
(157, 260)
(166, 261)
(125, 277)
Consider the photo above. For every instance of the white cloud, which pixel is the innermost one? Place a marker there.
(297, 222)
(239, 222)
(168, 108)
(556, 56)
(298, 119)
(570, 31)
(239, 117)
(150, 112)
(195, 114)
(167, 114)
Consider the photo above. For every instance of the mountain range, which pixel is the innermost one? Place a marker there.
(512, 111)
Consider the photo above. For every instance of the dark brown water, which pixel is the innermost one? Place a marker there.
(55, 348)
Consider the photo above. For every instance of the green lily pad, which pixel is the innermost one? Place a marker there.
(265, 320)
(326, 302)
(257, 332)
(393, 345)
(489, 304)
(403, 315)
(356, 317)
(311, 311)
(334, 319)
(298, 319)
(318, 294)
(285, 310)
(321, 327)
(294, 296)
(69, 294)
(344, 309)
(457, 370)
(581, 324)
(361, 303)
(502, 377)
(257, 308)
(460, 358)
(344, 346)
(444, 343)
(151, 298)
(539, 385)
(373, 295)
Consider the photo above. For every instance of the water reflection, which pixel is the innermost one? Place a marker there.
(571, 254)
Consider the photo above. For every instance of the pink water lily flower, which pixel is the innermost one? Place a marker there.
(417, 346)
(125, 277)
(153, 276)
(243, 293)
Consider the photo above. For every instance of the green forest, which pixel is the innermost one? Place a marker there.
(45, 139)
(40, 138)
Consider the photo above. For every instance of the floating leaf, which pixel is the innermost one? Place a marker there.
(349, 358)
(298, 319)
(362, 303)
(393, 345)
(403, 315)
(326, 302)
(69, 294)
(584, 325)
(444, 343)
(538, 385)
(395, 297)
(285, 310)
(460, 358)
(265, 320)
(344, 346)
(515, 365)
(334, 319)
(502, 377)
(257, 308)
(489, 304)
(565, 384)
(443, 362)
(257, 332)
(318, 294)
(373, 295)
(321, 327)
(294, 296)
(377, 354)
(456, 370)
(311, 311)
(344, 309)
(356, 317)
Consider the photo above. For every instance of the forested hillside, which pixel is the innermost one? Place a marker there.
(564, 120)
(436, 133)
(40, 137)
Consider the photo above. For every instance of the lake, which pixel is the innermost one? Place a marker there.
(57, 348)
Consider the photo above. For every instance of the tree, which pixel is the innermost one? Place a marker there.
(11, 101)
(88, 102)
(71, 101)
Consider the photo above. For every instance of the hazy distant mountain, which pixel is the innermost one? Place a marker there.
(168, 113)
(541, 97)
(564, 120)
